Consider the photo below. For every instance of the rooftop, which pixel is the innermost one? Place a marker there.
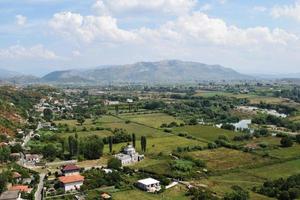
(70, 168)
(148, 181)
(71, 179)
(22, 188)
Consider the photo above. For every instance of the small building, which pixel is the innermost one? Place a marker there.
(70, 170)
(16, 176)
(21, 188)
(11, 195)
(72, 182)
(33, 158)
(129, 156)
(149, 185)
(105, 196)
(111, 103)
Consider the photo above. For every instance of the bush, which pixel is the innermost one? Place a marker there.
(114, 163)
(286, 142)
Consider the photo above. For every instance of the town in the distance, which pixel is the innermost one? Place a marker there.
(232, 140)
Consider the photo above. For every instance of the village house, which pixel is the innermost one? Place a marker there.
(11, 195)
(129, 156)
(149, 185)
(70, 170)
(111, 103)
(72, 182)
(21, 188)
(32, 158)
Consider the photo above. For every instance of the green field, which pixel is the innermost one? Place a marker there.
(175, 193)
(281, 170)
(153, 120)
(286, 153)
(102, 133)
(139, 130)
(163, 145)
(225, 159)
(208, 133)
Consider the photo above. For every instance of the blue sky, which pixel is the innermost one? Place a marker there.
(38, 36)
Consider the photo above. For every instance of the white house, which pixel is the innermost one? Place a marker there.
(33, 158)
(129, 156)
(149, 185)
(72, 182)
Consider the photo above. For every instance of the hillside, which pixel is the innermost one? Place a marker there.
(169, 71)
(14, 105)
(5, 74)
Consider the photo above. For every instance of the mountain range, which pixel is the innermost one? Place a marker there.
(167, 71)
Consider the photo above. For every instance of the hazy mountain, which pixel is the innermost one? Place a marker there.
(5, 74)
(170, 71)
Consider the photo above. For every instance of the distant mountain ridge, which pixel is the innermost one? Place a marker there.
(167, 71)
(5, 74)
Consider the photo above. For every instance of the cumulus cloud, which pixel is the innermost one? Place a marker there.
(176, 7)
(89, 28)
(21, 52)
(21, 20)
(289, 11)
(200, 28)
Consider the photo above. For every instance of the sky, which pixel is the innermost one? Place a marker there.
(39, 36)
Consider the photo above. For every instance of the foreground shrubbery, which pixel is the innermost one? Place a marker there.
(283, 189)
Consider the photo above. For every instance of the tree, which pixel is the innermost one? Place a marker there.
(238, 193)
(143, 143)
(17, 148)
(3, 181)
(286, 142)
(110, 143)
(284, 195)
(49, 152)
(117, 109)
(80, 120)
(114, 163)
(48, 114)
(4, 154)
(92, 147)
(298, 138)
(73, 145)
(133, 140)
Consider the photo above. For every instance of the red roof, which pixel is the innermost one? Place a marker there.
(70, 168)
(22, 188)
(71, 179)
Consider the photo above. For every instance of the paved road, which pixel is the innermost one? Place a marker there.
(38, 193)
(27, 138)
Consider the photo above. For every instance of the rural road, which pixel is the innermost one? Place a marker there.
(38, 193)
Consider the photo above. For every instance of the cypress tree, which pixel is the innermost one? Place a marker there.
(110, 143)
(133, 140)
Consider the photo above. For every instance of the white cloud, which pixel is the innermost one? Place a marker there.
(201, 29)
(206, 7)
(34, 52)
(89, 28)
(289, 11)
(259, 8)
(21, 20)
(176, 7)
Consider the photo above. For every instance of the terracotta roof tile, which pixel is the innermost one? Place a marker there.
(71, 179)
(22, 188)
